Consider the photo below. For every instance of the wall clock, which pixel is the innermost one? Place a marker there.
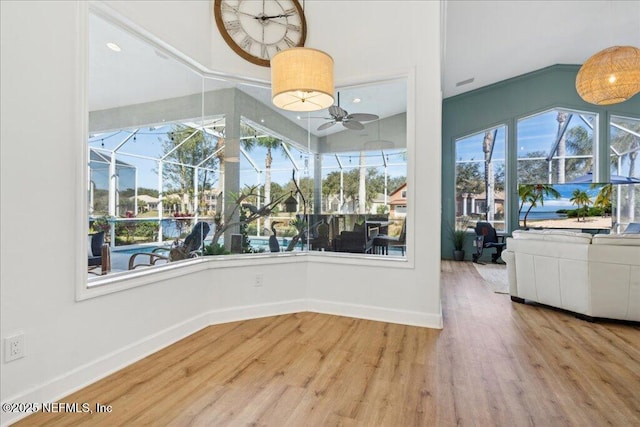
(257, 30)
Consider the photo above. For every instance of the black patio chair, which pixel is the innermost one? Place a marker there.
(189, 248)
(99, 255)
(487, 237)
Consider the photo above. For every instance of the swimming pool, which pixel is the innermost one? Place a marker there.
(137, 249)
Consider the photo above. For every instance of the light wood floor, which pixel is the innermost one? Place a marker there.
(496, 363)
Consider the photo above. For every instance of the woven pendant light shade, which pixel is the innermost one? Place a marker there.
(302, 79)
(610, 76)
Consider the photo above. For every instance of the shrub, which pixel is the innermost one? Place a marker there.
(216, 249)
(146, 229)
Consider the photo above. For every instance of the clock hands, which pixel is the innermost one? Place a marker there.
(261, 17)
(257, 29)
(265, 17)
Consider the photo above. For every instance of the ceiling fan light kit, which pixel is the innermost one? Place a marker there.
(610, 76)
(302, 79)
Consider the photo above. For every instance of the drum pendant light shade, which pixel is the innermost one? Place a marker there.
(610, 76)
(302, 79)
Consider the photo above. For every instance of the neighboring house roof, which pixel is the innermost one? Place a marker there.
(397, 198)
(401, 187)
(148, 199)
(499, 195)
(378, 198)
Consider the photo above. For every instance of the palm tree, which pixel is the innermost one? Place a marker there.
(580, 198)
(271, 144)
(603, 199)
(562, 146)
(489, 178)
(534, 194)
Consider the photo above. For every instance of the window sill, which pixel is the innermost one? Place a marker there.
(121, 281)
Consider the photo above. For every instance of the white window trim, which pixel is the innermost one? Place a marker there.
(104, 285)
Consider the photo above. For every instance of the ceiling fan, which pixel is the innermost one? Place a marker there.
(350, 121)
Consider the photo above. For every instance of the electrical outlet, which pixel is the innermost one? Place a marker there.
(259, 280)
(14, 347)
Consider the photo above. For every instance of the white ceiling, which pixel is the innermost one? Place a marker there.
(141, 73)
(491, 41)
(487, 41)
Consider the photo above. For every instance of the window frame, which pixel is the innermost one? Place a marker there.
(562, 107)
(104, 285)
(506, 205)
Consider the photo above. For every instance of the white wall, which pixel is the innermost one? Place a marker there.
(69, 343)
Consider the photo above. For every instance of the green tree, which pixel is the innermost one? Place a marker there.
(498, 184)
(350, 187)
(246, 143)
(183, 149)
(395, 182)
(374, 182)
(272, 145)
(306, 185)
(143, 191)
(603, 199)
(374, 185)
(580, 198)
(579, 143)
(330, 186)
(469, 178)
(533, 171)
(628, 143)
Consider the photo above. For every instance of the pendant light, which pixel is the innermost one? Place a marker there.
(610, 76)
(302, 79)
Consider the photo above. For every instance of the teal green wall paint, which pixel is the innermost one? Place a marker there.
(504, 103)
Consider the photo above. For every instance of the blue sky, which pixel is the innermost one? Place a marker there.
(146, 143)
(535, 133)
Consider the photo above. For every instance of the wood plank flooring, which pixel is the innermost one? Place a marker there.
(496, 363)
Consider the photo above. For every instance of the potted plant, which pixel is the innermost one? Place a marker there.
(458, 237)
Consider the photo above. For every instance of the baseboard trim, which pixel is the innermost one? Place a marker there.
(380, 314)
(247, 312)
(57, 388)
(82, 376)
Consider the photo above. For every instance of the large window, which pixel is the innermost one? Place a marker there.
(172, 151)
(480, 177)
(555, 147)
(624, 136)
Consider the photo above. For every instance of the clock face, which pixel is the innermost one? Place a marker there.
(257, 30)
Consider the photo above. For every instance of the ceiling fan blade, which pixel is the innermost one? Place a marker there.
(350, 124)
(362, 117)
(326, 125)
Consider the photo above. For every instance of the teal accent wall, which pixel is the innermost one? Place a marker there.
(504, 103)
